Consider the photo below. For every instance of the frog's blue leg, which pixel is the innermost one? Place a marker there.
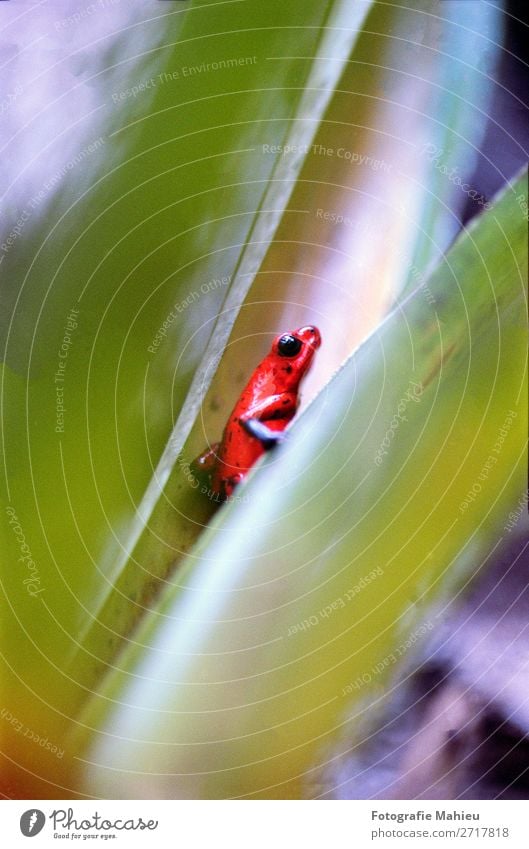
(267, 437)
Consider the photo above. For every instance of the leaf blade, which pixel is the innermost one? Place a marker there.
(246, 663)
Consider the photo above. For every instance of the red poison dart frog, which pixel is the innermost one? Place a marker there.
(261, 414)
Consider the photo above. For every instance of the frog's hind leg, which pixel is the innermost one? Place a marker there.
(267, 437)
(208, 459)
(205, 464)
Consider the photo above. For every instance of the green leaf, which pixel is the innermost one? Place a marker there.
(463, 42)
(371, 209)
(163, 201)
(141, 194)
(290, 616)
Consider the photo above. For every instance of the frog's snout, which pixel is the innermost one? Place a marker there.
(310, 334)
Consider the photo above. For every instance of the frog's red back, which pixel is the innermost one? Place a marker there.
(270, 397)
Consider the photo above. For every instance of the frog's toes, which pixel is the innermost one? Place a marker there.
(231, 482)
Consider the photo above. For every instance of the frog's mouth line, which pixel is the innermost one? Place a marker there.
(313, 334)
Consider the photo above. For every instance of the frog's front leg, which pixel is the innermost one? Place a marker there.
(267, 437)
(276, 408)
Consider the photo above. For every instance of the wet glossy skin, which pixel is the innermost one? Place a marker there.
(265, 407)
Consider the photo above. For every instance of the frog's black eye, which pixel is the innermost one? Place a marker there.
(289, 346)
